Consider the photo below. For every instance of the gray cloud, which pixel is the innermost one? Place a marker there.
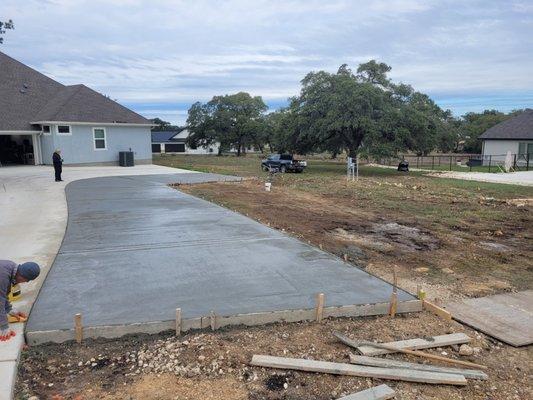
(160, 56)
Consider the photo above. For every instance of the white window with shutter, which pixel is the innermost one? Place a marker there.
(99, 137)
(64, 130)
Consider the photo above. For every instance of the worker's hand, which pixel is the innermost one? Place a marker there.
(6, 334)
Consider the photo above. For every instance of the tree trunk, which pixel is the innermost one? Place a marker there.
(239, 148)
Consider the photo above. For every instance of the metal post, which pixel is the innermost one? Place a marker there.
(433, 163)
(514, 162)
(527, 161)
(490, 161)
(417, 161)
(450, 163)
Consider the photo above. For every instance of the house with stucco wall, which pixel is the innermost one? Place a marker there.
(39, 115)
(514, 135)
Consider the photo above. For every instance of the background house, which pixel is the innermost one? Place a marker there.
(174, 142)
(39, 115)
(514, 135)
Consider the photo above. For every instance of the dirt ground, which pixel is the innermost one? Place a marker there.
(215, 365)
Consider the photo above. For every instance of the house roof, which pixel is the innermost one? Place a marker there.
(167, 137)
(515, 128)
(27, 96)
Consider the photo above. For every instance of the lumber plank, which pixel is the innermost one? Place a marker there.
(381, 392)
(417, 344)
(388, 363)
(328, 367)
(435, 309)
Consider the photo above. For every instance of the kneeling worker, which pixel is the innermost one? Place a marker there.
(11, 274)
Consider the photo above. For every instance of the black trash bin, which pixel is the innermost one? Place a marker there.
(125, 159)
(403, 166)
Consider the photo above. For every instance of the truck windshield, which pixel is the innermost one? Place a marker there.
(286, 157)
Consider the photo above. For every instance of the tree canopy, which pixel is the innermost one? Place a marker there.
(474, 124)
(364, 112)
(4, 26)
(161, 125)
(235, 121)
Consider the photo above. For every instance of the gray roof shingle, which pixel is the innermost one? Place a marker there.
(515, 128)
(23, 92)
(28, 96)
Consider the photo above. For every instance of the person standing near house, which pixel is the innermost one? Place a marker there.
(11, 274)
(58, 164)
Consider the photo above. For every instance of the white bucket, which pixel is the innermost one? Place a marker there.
(268, 185)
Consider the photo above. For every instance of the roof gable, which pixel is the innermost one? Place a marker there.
(519, 127)
(23, 91)
(28, 96)
(78, 103)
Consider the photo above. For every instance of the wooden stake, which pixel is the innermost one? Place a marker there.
(394, 295)
(354, 344)
(320, 245)
(320, 299)
(178, 321)
(213, 320)
(345, 256)
(78, 328)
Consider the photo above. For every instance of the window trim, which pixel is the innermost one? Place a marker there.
(64, 134)
(95, 139)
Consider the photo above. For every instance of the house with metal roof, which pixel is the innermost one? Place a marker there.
(514, 135)
(39, 115)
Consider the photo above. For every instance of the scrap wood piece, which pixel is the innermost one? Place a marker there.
(355, 344)
(328, 367)
(381, 392)
(435, 309)
(386, 362)
(417, 344)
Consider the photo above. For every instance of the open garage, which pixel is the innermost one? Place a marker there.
(19, 149)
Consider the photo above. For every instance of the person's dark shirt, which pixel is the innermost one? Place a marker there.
(57, 159)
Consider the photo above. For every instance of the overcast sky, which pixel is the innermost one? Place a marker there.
(159, 57)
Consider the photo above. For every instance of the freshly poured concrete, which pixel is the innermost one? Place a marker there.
(136, 249)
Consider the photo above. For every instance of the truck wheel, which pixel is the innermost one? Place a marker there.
(283, 169)
(265, 168)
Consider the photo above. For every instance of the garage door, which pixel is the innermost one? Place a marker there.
(174, 148)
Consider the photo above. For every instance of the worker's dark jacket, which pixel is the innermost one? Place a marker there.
(8, 269)
(56, 158)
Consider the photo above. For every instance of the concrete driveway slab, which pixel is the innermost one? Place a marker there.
(136, 249)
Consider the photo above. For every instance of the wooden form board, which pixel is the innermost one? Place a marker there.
(417, 344)
(388, 363)
(507, 317)
(327, 367)
(381, 392)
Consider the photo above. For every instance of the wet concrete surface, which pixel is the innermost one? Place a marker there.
(135, 249)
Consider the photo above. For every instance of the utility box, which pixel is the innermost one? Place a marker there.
(125, 159)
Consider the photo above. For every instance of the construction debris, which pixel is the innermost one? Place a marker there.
(381, 392)
(393, 349)
(388, 363)
(417, 344)
(327, 367)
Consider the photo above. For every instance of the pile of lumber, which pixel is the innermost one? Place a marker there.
(369, 366)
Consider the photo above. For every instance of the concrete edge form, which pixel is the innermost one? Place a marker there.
(253, 319)
(8, 372)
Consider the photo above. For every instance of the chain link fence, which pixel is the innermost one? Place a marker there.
(463, 162)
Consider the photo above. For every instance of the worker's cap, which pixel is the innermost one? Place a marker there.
(29, 270)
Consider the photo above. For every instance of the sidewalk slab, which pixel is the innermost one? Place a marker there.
(10, 350)
(8, 372)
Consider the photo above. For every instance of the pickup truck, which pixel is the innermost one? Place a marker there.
(283, 163)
